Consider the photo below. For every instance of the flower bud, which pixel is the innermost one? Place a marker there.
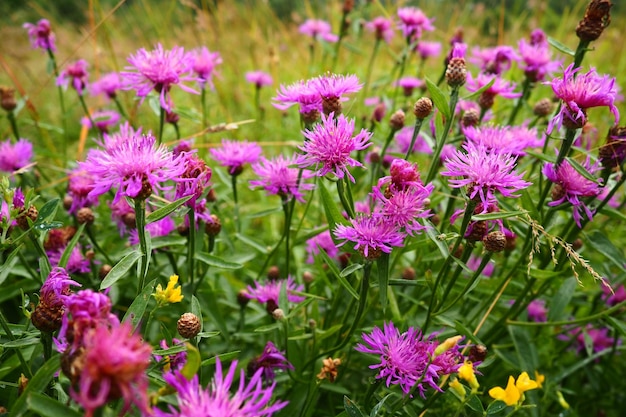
(495, 241)
(597, 17)
(214, 227)
(85, 216)
(543, 107)
(7, 98)
(188, 325)
(423, 108)
(397, 120)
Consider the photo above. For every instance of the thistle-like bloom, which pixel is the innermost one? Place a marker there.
(204, 64)
(382, 27)
(323, 241)
(175, 361)
(318, 29)
(329, 146)
(171, 294)
(195, 180)
(573, 187)
(427, 49)
(41, 35)
(233, 154)
(270, 360)
(108, 85)
(259, 78)
(579, 93)
(250, 400)
(404, 207)
(408, 84)
(335, 86)
(270, 291)
(277, 176)
(159, 70)
(373, 235)
(76, 263)
(484, 173)
(301, 93)
(48, 314)
(499, 87)
(76, 74)
(103, 120)
(537, 57)
(494, 60)
(504, 139)
(132, 163)
(15, 156)
(162, 227)
(413, 22)
(537, 311)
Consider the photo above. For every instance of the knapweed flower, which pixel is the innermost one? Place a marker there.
(173, 362)
(494, 60)
(499, 87)
(537, 311)
(484, 173)
(76, 263)
(48, 314)
(233, 154)
(413, 22)
(613, 297)
(171, 294)
(15, 156)
(259, 78)
(597, 338)
(537, 57)
(373, 235)
(108, 85)
(195, 180)
(403, 138)
(76, 74)
(323, 241)
(382, 27)
(303, 94)
(573, 187)
(159, 70)
(403, 207)
(408, 84)
(427, 49)
(41, 35)
(580, 92)
(278, 176)
(515, 389)
(332, 88)
(504, 139)
(318, 29)
(329, 145)
(269, 292)
(204, 64)
(162, 227)
(270, 360)
(132, 163)
(250, 400)
(103, 120)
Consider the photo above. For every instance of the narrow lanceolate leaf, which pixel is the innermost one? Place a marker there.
(383, 278)
(193, 361)
(37, 383)
(120, 269)
(351, 408)
(166, 210)
(47, 211)
(139, 304)
(438, 97)
(45, 406)
(70, 246)
(335, 271)
(498, 215)
(216, 262)
(581, 169)
(197, 310)
(561, 47)
(478, 92)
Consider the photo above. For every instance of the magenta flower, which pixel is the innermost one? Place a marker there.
(195, 180)
(162, 227)
(76, 263)
(484, 173)
(402, 175)
(413, 22)
(573, 187)
(259, 78)
(599, 337)
(499, 87)
(173, 362)
(409, 84)
(107, 85)
(15, 156)
(494, 60)
(579, 93)
(270, 291)
(159, 70)
(382, 27)
(277, 176)
(536, 56)
(233, 155)
(329, 145)
(123, 215)
(204, 64)
(403, 207)
(402, 141)
(503, 139)
(474, 262)
(102, 119)
(268, 361)
(334, 86)
(537, 311)
(427, 49)
(373, 235)
(76, 74)
(41, 35)
(301, 93)
(318, 29)
(323, 241)
(132, 163)
(251, 399)
(613, 297)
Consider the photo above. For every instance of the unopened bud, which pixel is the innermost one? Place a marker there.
(104, 270)
(307, 277)
(242, 298)
(495, 241)
(85, 216)
(597, 17)
(188, 325)
(397, 120)
(456, 72)
(7, 98)
(213, 227)
(423, 108)
(543, 107)
(470, 118)
(273, 273)
(409, 274)
(278, 314)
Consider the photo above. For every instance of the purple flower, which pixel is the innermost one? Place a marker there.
(474, 262)
(173, 362)
(233, 155)
(162, 227)
(318, 29)
(204, 63)
(303, 94)
(323, 241)
(102, 119)
(599, 338)
(159, 70)
(15, 156)
(413, 21)
(268, 361)
(334, 86)
(195, 180)
(494, 60)
(613, 297)
(57, 286)
(41, 35)
(409, 84)
(76, 263)
(403, 140)
(107, 85)
(537, 311)
(571, 186)
(536, 56)
(503, 139)
(277, 176)
(330, 143)
(484, 173)
(259, 78)
(382, 27)
(579, 93)
(270, 291)
(77, 74)
(373, 235)
(123, 215)
(403, 207)
(132, 163)
(428, 49)
(250, 400)
(499, 87)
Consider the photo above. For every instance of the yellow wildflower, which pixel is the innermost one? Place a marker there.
(524, 383)
(466, 373)
(171, 294)
(447, 344)
(540, 379)
(509, 395)
(457, 388)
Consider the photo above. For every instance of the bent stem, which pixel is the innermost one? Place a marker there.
(416, 131)
(140, 221)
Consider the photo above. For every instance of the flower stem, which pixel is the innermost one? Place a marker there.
(191, 244)
(161, 123)
(204, 109)
(370, 66)
(88, 114)
(120, 108)
(454, 98)
(233, 183)
(288, 209)
(345, 196)
(526, 88)
(481, 267)
(18, 352)
(140, 221)
(11, 117)
(416, 131)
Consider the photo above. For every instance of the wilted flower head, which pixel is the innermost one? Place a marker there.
(270, 360)
(373, 235)
(504, 139)
(15, 156)
(318, 29)
(204, 64)
(413, 21)
(233, 154)
(194, 180)
(382, 27)
(259, 78)
(77, 74)
(107, 85)
(278, 176)
(41, 35)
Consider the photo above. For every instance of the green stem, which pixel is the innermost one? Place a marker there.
(481, 267)
(288, 209)
(140, 221)
(204, 109)
(526, 88)
(120, 108)
(191, 244)
(233, 183)
(580, 52)
(88, 114)
(344, 196)
(95, 244)
(454, 98)
(161, 123)
(370, 66)
(5, 325)
(416, 131)
(11, 117)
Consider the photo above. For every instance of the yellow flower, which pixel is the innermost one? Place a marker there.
(466, 373)
(169, 294)
(458, 388)
(447, 344)
(510, 395)
(540, 379)
(524, 383)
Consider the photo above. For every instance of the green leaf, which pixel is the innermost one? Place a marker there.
(9, 263)
(351, 408)
(478, 92)
(438, 97)
(561, 47)
(139, 304)
(45, 406)
(37, 383)
(335, 271)
(47, 211)
(164, 211)
(602, 244)
(431, 232)
(525, 348)
(252, 243)
(383, 279)
(70, 246)
(19, 343)
(207, 335)
(333, 215)
(170, 351)
(215, 261)
(193, 362)
(347, 271)
(496, 407)
(498, 215)
(223, 357)
(581, 169)
(120, 269)
(378, 406)
(617, 324)
(267, 328)
(44, 268)
(561, 299)
(197, 310)
(542, 156)
(475, 404)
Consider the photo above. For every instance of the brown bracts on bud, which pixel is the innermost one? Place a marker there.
(397, 120)
(7, 98)
(471, 117)
(543, 107)
(188, 325)
(613, 152)
(423, 108)
(495, 241)
(597, 17)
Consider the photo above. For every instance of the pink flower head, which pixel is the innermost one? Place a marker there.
(484, 173)
(459, 50)
(270, 291)
(537, 58)
(504, 139)
(175, 361)
(162, 227)
(301, 93)
(494, 60)
(372, 235)
(573, 187)
(41, 35)
(77, 74)
(427, 49)
(268, 361)
(132, 163)
(409, 84)
(259, 78)
(15, 156)
(332, 88)
(123, 215)
(233, 154)
(278, 176)
(413, 21)
(76, 263)
(251, 399)
(102, 119)
(195, 180)
(612, 297)
(159, 70)
(107, 85)
(403, 207)
(57, 286)
(318, 29)
(599, 337)
(204, 64)
(382, 27)
(474, 262)
(323, 241)
(403, 140)
(537, 311)
(499, 87)
(580, 92)
(329, 145)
